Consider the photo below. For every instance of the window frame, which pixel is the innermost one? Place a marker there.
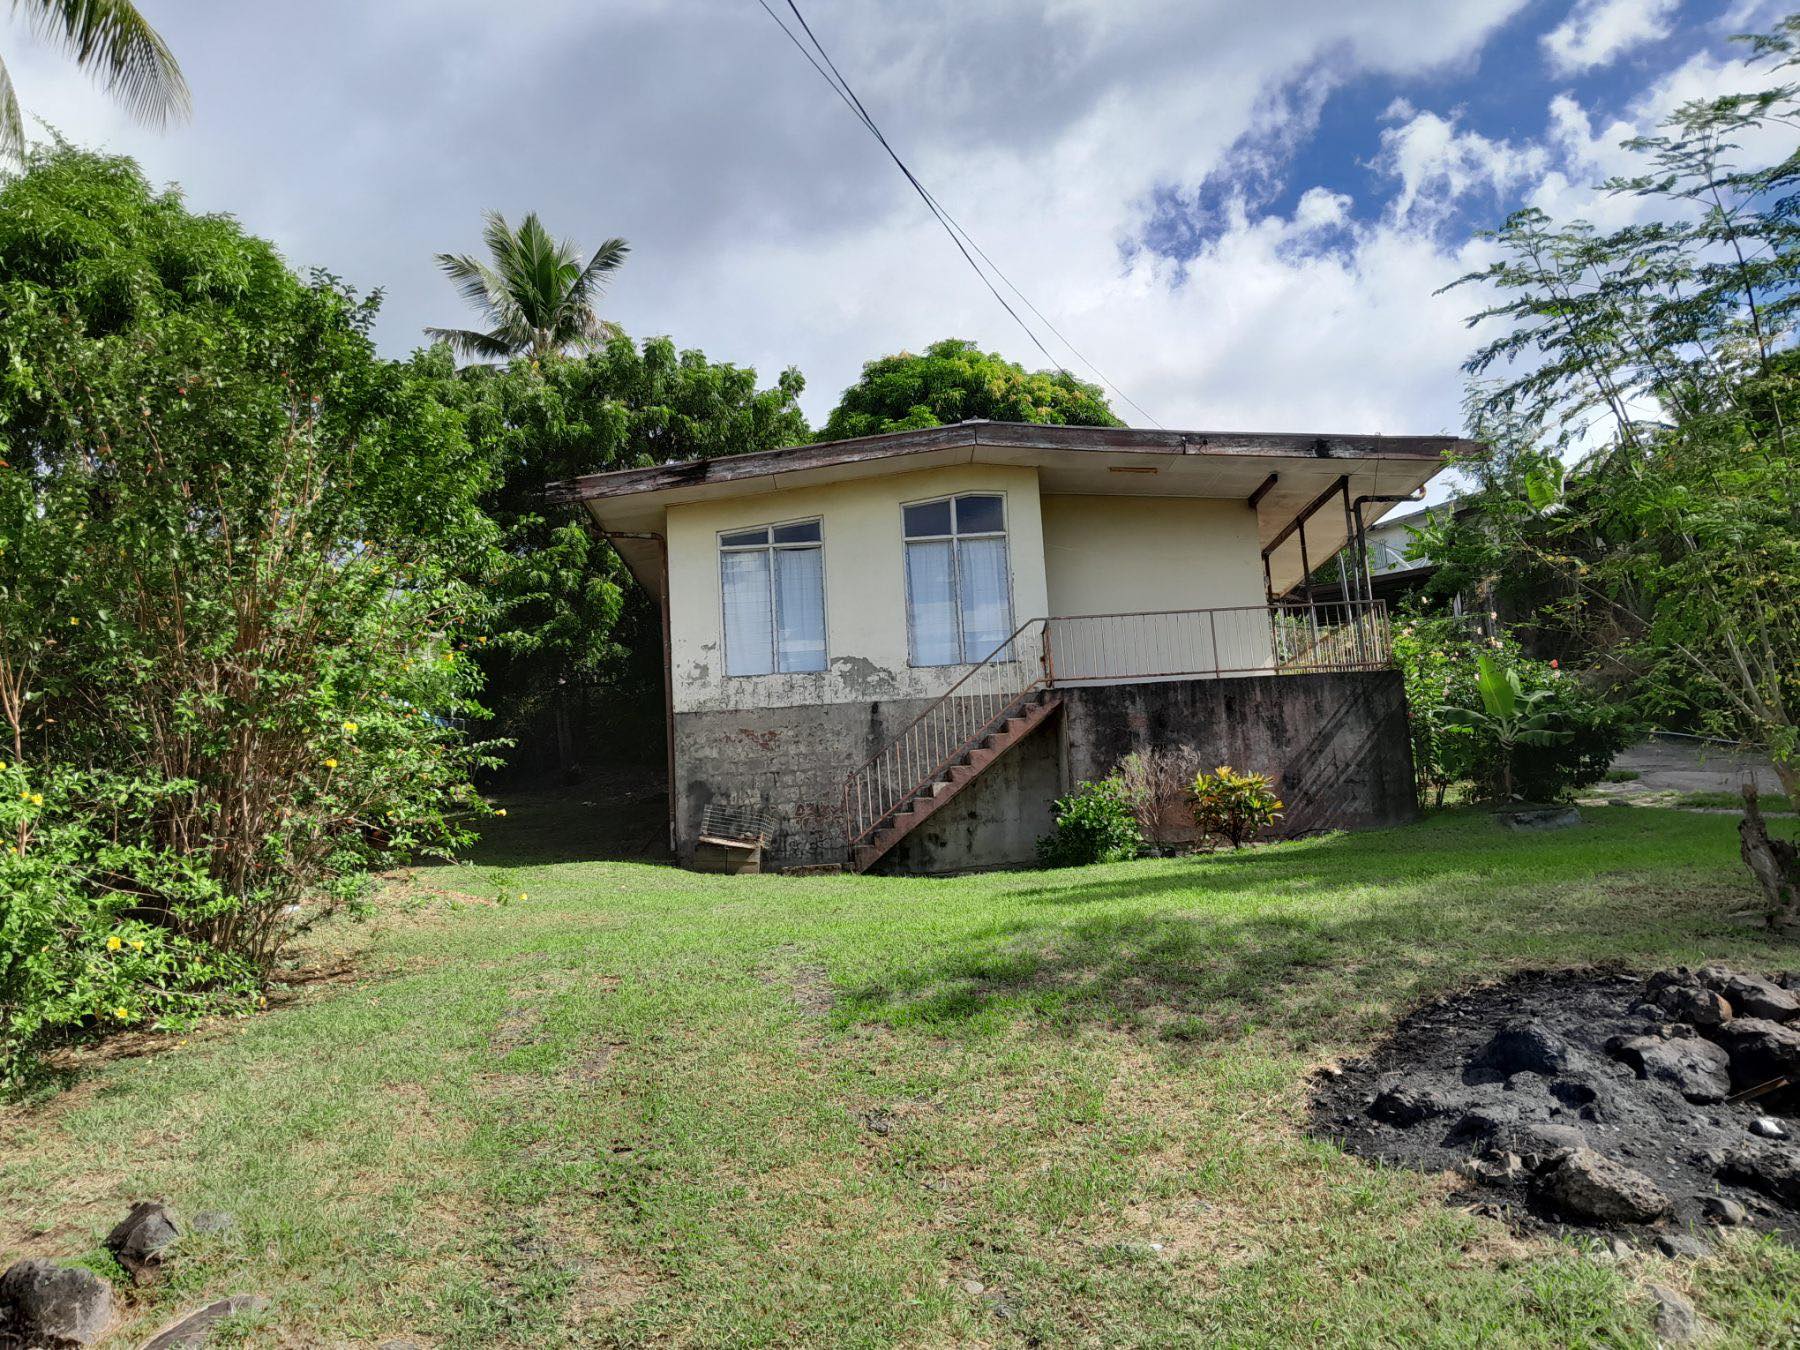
(954, 538)
(770, 546)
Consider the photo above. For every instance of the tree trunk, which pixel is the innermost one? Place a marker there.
(565, 739)
(1775, 863)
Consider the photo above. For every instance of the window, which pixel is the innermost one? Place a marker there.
(773, 582)
(958, 589)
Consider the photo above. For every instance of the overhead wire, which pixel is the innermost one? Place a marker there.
(958, 235)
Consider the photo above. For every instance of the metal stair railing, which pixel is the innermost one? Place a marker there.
(953, 725)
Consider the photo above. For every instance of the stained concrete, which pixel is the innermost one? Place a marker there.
(1336, 744)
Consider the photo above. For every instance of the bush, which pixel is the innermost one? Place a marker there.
(1094, 824)
(1234, 806)
(240, 563)
(1440, 658)
(1159, 785)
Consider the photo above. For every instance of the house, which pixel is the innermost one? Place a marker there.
(897, 651)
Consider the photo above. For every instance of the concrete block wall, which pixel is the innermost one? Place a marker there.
(1336, 744)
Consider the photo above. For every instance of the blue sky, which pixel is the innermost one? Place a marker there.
(1098, 149)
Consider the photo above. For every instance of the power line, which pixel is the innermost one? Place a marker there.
(958, 235)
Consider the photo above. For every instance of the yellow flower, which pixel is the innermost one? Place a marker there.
(350, 727)
(331, 764)
(137, 944)
(499, 810)
(263, 1002)
(74, 622)
(524, 895)
(37, 799)
(123, 1014)
(113, 944)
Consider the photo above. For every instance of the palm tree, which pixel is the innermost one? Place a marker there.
(112, 39)
(536, 296)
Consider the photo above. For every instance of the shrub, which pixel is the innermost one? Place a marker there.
(239, 558)
(1094, 824)
(1234, 806)
(1159, 784)
(1440, 659)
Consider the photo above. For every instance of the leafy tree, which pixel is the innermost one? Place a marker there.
(1660, 356)
(954, 381)
(239, 558)
(109, 37)
(575, 621)
(535, 293)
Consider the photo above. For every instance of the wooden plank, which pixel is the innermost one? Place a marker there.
(1287, 530)
(1255, 498)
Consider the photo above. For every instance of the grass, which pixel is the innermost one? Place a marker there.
(643, 1106)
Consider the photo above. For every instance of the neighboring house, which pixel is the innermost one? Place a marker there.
(1398, 567)
(899, 650)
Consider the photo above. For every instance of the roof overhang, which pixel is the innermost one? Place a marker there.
(1278, 475)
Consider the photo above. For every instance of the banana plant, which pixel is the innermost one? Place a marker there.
(1509, 713)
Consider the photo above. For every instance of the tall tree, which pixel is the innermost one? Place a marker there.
(535, 293)
(955, 380)
(1661, 356)
(110, 38)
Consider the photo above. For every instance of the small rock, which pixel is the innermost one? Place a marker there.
(1682, 1245)
(1768, 1128)
(1496, 1167)
(1676, 1320)
(1620, 1248)
(1693, 1003)
(193, 1329)
(139, 1238)
(48, 1304)
(1527, 1081)
(1405, 1105)
(1697, 1069)
(878, 1122)
(1330, 1071)
(973, 1287)
(1753, 996)
(1772, 1170)
(1588, 1187)
(1524, 1044)
(1722, 1209)
(1760, 1050)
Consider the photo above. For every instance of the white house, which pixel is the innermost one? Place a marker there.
(897, 650)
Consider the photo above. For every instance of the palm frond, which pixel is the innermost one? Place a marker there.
(607, 258)
(467, 342)
(12, 122)
(478, 283)
(112, 38)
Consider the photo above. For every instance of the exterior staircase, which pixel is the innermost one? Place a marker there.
(1022, 717)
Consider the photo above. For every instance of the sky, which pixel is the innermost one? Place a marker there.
(1241, 213)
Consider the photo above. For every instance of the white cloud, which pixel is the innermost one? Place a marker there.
(1598, 32)
(1436, 164)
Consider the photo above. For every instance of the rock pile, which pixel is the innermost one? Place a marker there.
(1595, 1099)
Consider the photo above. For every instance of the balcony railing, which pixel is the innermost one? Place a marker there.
(1238, 640)
(1286, 639)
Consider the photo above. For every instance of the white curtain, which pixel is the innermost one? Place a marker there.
(986, 610)
(800, 609)
(748, 622)
(931, 603)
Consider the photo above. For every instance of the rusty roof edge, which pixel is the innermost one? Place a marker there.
(1009, 435)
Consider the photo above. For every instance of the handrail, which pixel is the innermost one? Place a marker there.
(934, 739)
(1108, 648)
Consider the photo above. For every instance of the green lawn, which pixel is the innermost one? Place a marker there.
(1067, 1107)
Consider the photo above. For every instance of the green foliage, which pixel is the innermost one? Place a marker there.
(111, 39)
(954, 381)
(1660, 357)
(1095, 823)
(1234, 806)
(574, 619)
(240, 561)
(1466, 693)
(535, 293)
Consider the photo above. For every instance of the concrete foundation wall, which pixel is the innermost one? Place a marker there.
(1336, 744)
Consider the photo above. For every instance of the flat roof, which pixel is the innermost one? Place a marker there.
(1280, 475)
